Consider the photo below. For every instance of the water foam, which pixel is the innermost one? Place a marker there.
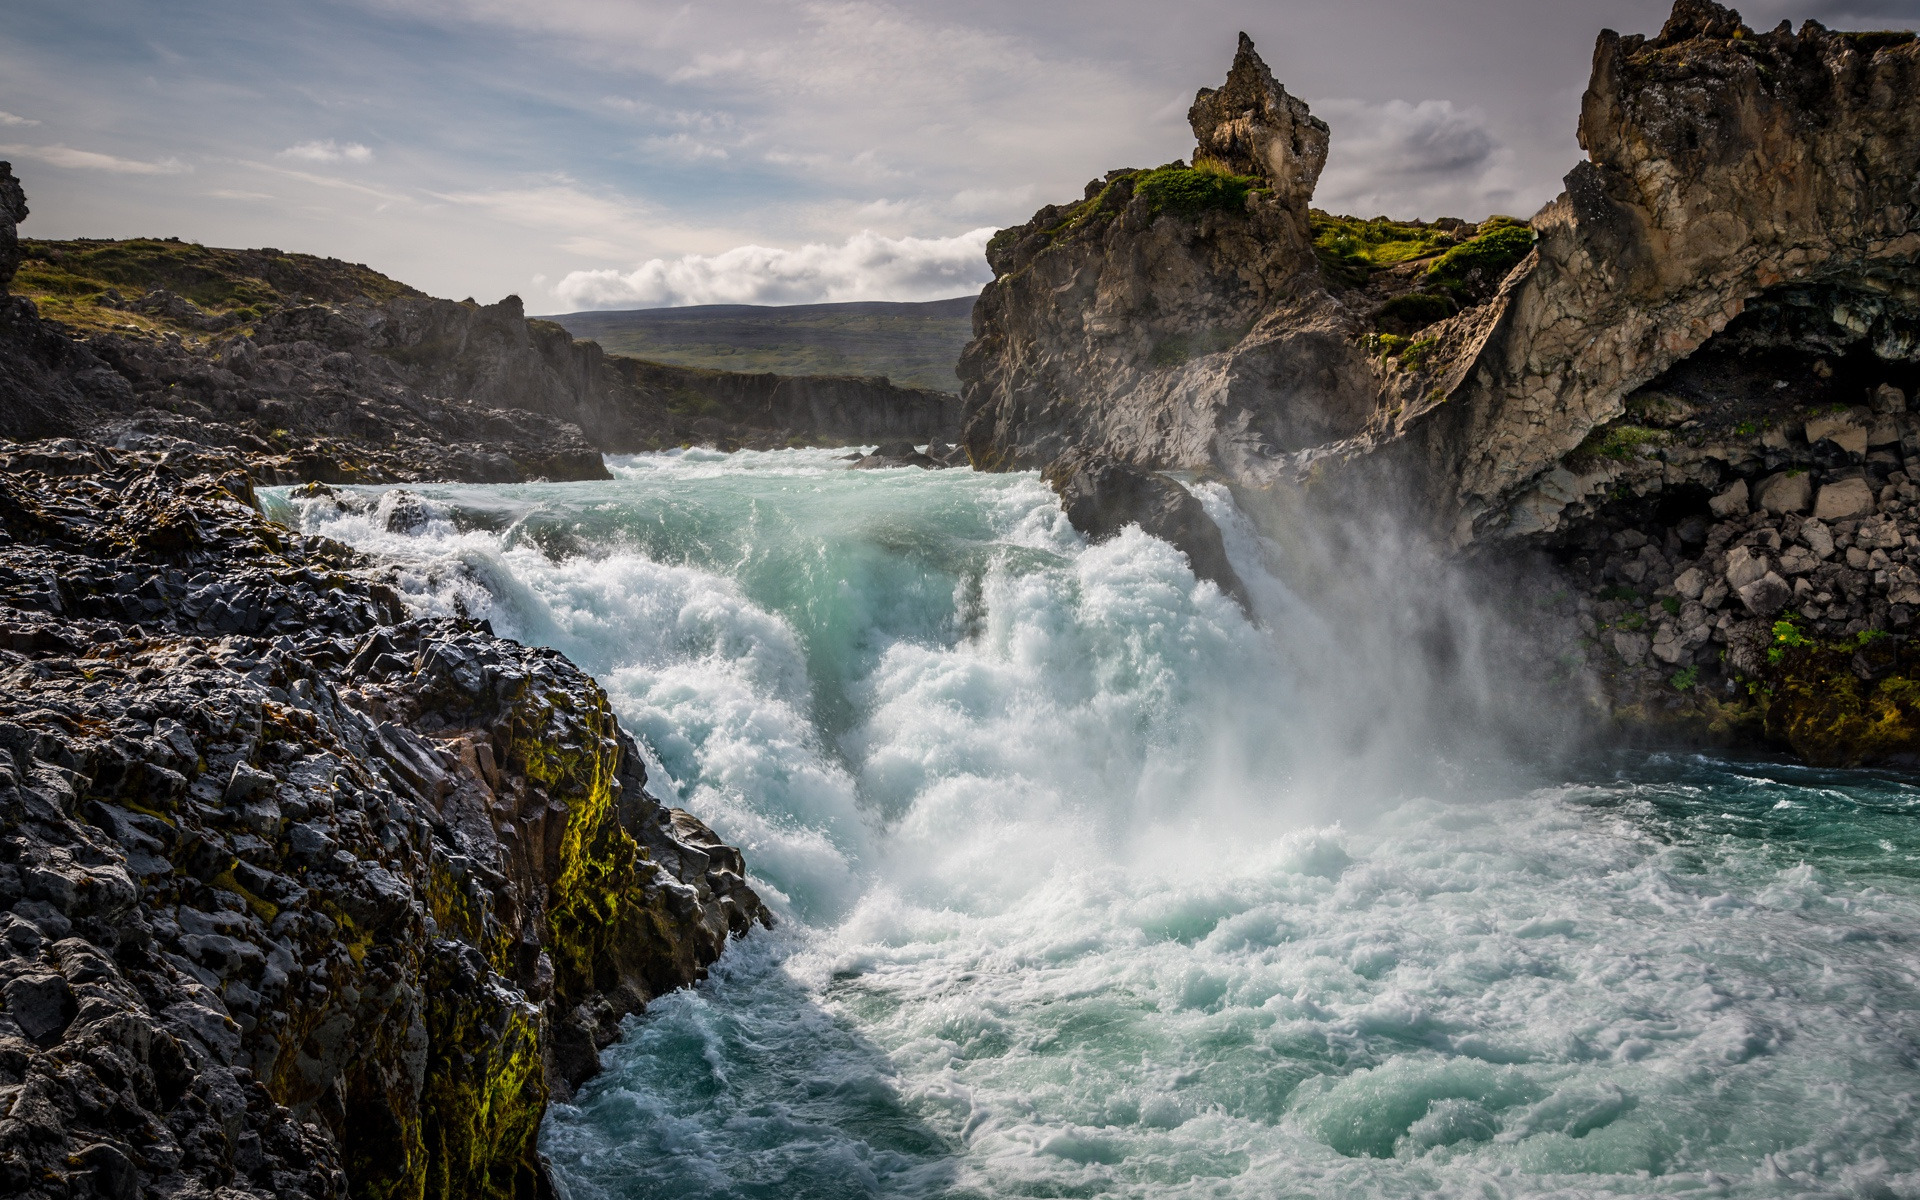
(1069, 910)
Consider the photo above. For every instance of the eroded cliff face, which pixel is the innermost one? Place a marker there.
(1727, 170)
(302, 897)
(1682, 392)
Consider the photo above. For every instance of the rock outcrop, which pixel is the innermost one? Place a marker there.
(13, 210)
(1683, 382)
(302, 897)
(1734, 179)
(1729, 172)
(1251, 126)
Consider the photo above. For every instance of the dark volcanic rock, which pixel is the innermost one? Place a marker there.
(300, 896)
(1101, 497)
(13, 210)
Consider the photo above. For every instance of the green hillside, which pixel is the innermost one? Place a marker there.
(911, 344)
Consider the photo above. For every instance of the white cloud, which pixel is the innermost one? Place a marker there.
(328, 151)
(683, 147)
(1422, 159)
(88, 160)
(865, 267)
(7, 118)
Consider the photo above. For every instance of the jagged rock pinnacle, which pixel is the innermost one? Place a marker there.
(1251, 126)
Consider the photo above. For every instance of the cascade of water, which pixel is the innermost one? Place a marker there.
(1096, 887)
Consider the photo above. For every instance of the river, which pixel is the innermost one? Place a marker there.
(1090, 886)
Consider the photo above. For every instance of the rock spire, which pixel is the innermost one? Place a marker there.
(1251, 126)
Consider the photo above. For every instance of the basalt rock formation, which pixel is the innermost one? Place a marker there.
(300, 896)
(326, 371)
(1182, 318)
(1683, 382)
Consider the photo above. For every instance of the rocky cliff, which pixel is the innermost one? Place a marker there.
(1682, 386)
(1192, 317)
(302, 897)
(322, 370)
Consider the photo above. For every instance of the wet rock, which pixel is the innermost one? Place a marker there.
(310, 950)
(1102, 497)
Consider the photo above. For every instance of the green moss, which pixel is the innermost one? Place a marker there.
(1819, 706)
(1481, 262)
(1670, 605)
(1350, 248)
(68, 280)
(1614, 443)
(1415, 355)
(1684, 679)
(485, 1091)
(1184, 191)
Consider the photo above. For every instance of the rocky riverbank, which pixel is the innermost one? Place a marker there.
(304, 897)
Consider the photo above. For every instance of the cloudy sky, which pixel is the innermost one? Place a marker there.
(628, 153)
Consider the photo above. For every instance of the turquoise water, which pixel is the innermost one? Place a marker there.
(1091, 886)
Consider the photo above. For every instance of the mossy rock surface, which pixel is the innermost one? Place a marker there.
(1845, 703)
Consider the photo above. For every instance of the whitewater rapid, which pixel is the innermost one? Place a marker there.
(1091, 886)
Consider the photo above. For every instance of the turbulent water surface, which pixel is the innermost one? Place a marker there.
(1089, 886)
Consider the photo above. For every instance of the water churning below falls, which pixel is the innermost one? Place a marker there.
(1092, 887)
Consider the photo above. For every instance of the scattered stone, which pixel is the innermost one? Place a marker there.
(1889, 400)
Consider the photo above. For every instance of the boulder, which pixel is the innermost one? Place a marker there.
(1786, 492)
(1744, 567)
(1818, 538)
(1732, 502)
(1101, 497)
(1690, 583)
(1767, 595)
(1847, 430)
(1631, 647)
(1888, 400)
(1842, 499)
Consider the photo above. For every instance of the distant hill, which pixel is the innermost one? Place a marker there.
(915, 345)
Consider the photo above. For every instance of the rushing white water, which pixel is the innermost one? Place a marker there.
(1092, 887)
